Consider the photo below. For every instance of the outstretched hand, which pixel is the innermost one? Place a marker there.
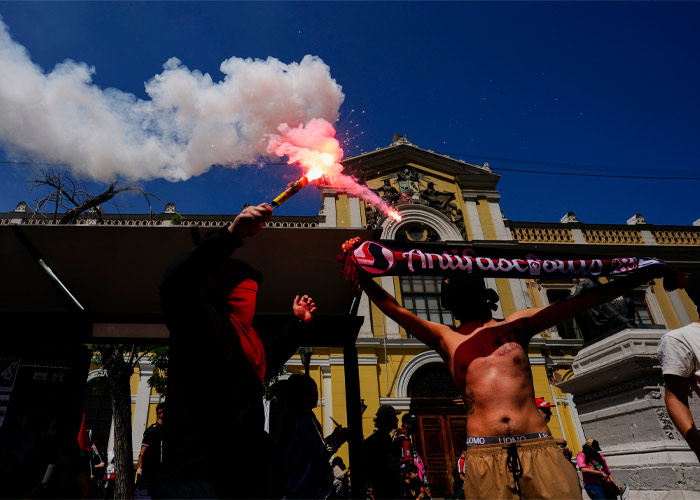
(339, 436)
(304, 308)
(250, 221)
(673, 278)
(351, 244)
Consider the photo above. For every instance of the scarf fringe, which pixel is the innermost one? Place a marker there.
(349, 270)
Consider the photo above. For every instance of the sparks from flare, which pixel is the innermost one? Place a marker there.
(316, 150)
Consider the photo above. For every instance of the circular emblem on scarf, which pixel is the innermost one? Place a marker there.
(374, 258)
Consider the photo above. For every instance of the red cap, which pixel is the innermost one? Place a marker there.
(542, 403)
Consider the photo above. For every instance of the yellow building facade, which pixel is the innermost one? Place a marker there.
(443, 199)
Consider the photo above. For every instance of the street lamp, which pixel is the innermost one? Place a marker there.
(305, 353)
(363, 407)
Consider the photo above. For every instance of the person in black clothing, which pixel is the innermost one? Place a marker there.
(383, 474)
(151, 456)
(217, 365)
(414, 488)
(306, 466)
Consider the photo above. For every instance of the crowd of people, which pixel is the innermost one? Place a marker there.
(209, 303)
(394, 468)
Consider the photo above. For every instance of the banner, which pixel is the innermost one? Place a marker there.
(391, 258)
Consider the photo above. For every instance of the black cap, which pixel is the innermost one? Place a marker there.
(409, 418)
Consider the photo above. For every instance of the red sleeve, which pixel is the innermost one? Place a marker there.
(406, 452)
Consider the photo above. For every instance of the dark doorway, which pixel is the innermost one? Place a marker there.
(443, 424)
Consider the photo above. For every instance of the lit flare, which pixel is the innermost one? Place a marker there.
(292, 189)
(315, 149)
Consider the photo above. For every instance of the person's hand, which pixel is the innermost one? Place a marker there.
(304, 308)
(351, 244)
(250, 221)
(339, 436)
(673, 278)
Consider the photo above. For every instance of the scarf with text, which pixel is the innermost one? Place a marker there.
(392, 258)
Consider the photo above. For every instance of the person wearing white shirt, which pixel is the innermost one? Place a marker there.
(679, 353)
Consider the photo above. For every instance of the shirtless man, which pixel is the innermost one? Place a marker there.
(510, 451)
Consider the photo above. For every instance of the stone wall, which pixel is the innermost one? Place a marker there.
(618, 390)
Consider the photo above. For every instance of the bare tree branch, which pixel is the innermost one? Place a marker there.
(71, 196)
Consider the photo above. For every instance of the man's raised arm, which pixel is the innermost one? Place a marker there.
(545, 317)
(183, 278)
(426, 331)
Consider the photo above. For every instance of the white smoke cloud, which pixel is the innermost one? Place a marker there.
(190, 122)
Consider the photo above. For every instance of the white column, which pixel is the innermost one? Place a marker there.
(266, 409)
(521, 298)
(473, 215)
(143, 401)
(355, 212)
(578, 236)
(553, 332)
(648, 237)
(329, 198)
(327, 400)
(502, 233)
(365, 312)
(679, 308)
(110, 441)
(569, 399)
(392, 328)
(654, 308)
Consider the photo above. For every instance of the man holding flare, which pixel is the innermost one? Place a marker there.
(218, 364)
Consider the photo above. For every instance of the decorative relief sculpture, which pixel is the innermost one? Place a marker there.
(445, 202)
(410, 191)
(409, 185)
(388, 193)
(606, 319)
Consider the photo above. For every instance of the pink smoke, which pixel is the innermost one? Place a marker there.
(316, 150)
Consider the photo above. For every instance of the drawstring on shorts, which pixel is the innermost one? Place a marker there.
(515, 466)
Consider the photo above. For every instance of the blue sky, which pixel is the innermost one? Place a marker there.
(570, 87)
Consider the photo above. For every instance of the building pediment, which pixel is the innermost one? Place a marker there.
(401, 153)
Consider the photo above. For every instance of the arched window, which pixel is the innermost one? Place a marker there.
(433, 381)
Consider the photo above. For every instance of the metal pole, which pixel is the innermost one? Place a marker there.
(45, 267)
(556, 407)
(354, 416)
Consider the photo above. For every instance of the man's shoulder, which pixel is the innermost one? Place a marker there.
(679, 350)
(399, 434)
(152, 430)
(691, 329)
(688, 334)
